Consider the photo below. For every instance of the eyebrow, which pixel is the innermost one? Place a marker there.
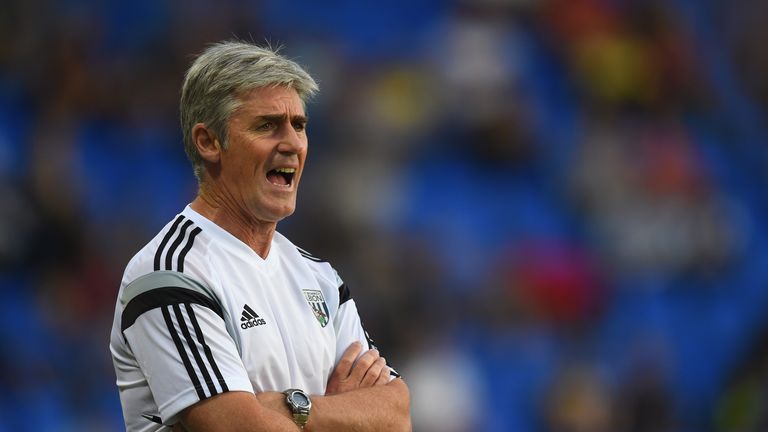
(277, 118)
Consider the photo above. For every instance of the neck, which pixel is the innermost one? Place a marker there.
(235, 220)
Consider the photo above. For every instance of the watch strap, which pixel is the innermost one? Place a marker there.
(300, 413)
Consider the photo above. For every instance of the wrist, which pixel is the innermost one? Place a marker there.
(299, 404)
(275, 401)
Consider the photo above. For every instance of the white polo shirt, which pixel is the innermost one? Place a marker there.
(200, 313)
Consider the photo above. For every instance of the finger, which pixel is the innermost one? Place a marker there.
(363, 364)
(347, 360)
(341, 372)
(373, 373)
(384, 375)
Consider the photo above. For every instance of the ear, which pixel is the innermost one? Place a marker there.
(207, 144)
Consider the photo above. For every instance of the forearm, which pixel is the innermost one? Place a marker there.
(276, 402)
(360, 397)
(238, 411)
(379, 408)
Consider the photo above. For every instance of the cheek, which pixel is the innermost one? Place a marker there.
(303, 156)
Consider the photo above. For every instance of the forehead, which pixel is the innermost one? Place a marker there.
(271, 100)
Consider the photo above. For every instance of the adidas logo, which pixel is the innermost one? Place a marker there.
(250, 318)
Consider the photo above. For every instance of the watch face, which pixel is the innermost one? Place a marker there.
(300, 399)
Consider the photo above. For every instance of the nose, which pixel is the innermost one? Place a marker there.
(292, 141)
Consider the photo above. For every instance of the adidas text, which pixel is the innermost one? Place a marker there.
(253, 322)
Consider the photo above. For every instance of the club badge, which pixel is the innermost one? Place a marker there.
(319, 307)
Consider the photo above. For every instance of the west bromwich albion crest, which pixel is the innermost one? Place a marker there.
(317, 303)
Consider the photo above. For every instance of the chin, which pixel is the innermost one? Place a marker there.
(273, 210)
(287, 213)
(283, 213)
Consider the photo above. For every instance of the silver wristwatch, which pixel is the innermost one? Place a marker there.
(299, 404)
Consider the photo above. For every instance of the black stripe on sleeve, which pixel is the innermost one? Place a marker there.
(167, 237)
(153, 418)
(369, 339)
(193, 348)
(344, 294)
(175, 245)
(183, 353)
(165, 296)
(206, 348)
(185, 250)
(308, 255)
(372, 345)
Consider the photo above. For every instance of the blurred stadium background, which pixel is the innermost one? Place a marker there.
(550, 211)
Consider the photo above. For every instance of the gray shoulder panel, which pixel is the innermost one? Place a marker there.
(162, 279)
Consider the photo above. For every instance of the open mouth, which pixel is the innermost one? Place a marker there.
(281, 176)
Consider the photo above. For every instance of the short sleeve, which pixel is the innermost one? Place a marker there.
(178, 336)
(349, 327)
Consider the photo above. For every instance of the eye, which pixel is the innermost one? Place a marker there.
(267, 125)
(299, 126)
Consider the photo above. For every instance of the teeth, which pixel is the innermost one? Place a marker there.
(286, 170)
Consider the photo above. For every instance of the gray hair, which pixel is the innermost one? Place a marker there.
(217, 78)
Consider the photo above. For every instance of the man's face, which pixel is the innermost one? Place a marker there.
(262, 165)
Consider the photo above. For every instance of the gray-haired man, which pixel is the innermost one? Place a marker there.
(221, 323)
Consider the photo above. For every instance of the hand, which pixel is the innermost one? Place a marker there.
(370, 369)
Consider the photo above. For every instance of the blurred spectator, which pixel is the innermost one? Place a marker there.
(742, 25)
(644, 401)
(556, 283)
(580, 402)
(742, 406)
(653, 206)
(447, 396)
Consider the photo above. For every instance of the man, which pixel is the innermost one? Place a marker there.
(221, 323)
